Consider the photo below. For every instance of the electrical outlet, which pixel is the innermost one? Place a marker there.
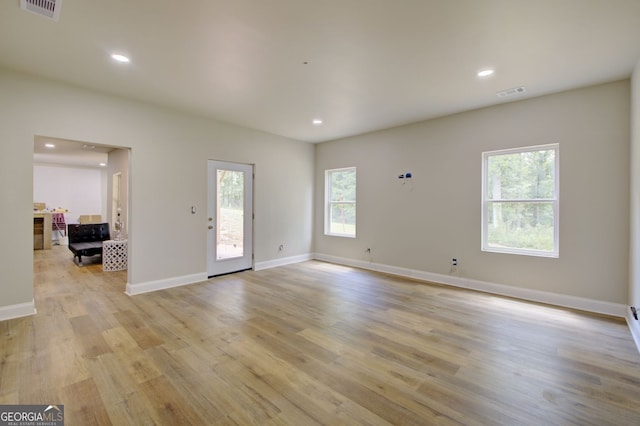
(368, 250)
(281, 247)
(454, 264)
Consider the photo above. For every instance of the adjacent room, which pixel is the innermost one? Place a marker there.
(78, 186)
(360, 212)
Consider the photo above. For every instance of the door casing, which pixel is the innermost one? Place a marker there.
(215, 264)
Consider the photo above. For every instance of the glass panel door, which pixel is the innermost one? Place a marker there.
(230, 205)
(230, 218)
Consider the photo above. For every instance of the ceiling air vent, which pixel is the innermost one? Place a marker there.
(511, 92)
(47, 8)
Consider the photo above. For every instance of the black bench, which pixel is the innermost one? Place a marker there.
(86, 240)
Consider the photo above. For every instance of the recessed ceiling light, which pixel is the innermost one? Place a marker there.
(317, 122)
(486, 72)
(49, 145)
(120, 58)
(103, 164)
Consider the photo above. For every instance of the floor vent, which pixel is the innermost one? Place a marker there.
(47, 8)
(511, 92)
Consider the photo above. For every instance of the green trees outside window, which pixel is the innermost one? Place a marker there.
(520, 201)
(340, 197)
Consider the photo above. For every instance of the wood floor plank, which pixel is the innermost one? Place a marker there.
(133, 358)
(297, 395)
(198, 386)
(310, 343)
(143, 336)
(118, 391)
(168, 407)
(89, 336)
(88, 408)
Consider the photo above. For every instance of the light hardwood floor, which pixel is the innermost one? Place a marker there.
(311, 343)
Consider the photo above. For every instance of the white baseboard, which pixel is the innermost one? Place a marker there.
(283, 261)
(149, 286)
(634, 326)
(574, 302)
(17, 311)
(146, 287)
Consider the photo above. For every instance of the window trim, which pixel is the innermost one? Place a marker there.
(555, 253)
(328, 203)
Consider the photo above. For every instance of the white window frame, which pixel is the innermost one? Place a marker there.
(328, 203)
(555, 201)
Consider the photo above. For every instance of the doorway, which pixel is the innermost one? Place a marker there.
(229, 217)
(78, 178)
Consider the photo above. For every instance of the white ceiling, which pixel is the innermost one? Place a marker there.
(69, 153)
(360, 65)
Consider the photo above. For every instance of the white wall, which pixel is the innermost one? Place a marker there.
(421, 226)
(634, 252)
(169, 153)
(118, 163)
(80, 190)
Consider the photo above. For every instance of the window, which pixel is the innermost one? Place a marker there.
(340, 201)
(520, 201)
